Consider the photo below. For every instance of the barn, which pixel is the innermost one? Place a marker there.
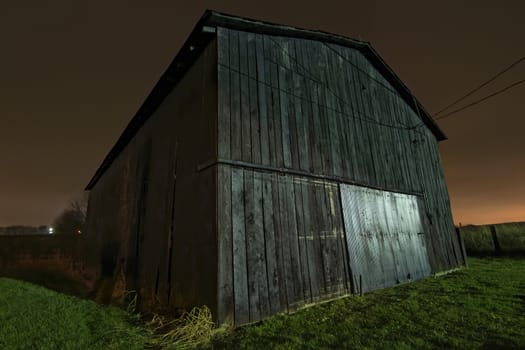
(271, 167)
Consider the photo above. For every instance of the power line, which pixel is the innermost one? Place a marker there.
(386, 87)
(368, 120)
(395, 92)
(512, 65)
(482, 99)
(312, 77)
(515, 63)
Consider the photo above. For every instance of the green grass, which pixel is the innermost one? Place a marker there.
(33, 317)
(482, 307)
(479, 308)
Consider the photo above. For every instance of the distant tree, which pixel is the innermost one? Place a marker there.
(72, 220)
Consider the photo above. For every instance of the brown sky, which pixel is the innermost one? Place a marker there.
(73, 73)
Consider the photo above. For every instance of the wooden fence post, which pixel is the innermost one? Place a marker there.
(497, 247)
(462, 245)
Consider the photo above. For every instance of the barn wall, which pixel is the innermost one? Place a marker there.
(149, 214)
(281, 243)
(294, 106)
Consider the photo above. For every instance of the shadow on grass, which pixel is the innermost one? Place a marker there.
(499, 343)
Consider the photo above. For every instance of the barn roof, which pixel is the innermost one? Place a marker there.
(203, 32)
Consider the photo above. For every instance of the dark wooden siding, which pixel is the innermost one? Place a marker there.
(153, 210)
(295, 106)
(281, 243)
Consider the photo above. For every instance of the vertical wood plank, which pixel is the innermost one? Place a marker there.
(270, 50)
(235, 98)
(306, 292)
(347, 121)
(296, 292)
(360, 168)
(301, 78)
(266, 140)
(324, 117)
(310, 156)
(252, 246)
(339, 248)
(288, 62)
(225, 296)
(331, 108)
(366, 163)
(315, 129)
(397, 139)
(270, 214)
(284, 103)
(367, 114)
(255, 122)
(287, 242)
(240, 271)
(320, 237)
(223, 90)
(259, 241)
(246, 136)
(329, 241)
(310, 238)
(280, 240)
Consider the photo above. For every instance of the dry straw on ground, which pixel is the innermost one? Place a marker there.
(192, 328)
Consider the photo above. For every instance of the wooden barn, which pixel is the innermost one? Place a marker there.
(271, 167)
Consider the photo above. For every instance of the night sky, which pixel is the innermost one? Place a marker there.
(72, 75)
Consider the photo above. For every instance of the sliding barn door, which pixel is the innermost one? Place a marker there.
(385, 237)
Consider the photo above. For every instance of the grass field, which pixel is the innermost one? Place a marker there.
(479, 308)
(32, 317)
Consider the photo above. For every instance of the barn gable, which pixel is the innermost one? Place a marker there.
(201, 35)
(272, 167)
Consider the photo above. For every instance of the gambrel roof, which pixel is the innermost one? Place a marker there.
(205, 30)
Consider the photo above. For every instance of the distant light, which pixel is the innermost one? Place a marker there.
(50, 230)
(79, 232)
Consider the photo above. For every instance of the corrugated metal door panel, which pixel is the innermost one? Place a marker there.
(389, 265)
(385, 237)
(355, 235)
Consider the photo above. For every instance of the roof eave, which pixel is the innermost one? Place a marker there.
(184, 59)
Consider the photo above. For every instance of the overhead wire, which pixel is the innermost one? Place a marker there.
(508, 87)
(372, 119)
(503, 71)
(386, 87)
(318, 81)
(512, 65)
(366, 117)
(290, 93)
